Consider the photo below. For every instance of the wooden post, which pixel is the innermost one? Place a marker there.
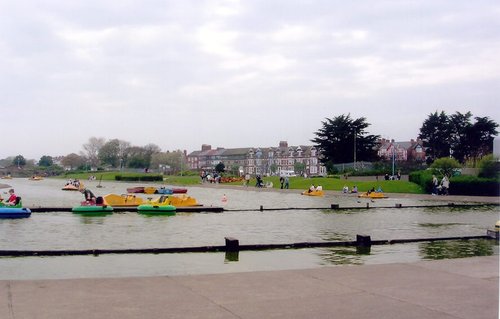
(261, 208)
(232, 244)
(363, 241)
(334, 206)
(367, 205)
(399, 205)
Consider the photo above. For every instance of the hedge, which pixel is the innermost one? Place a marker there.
(460, 185)
(139, 177)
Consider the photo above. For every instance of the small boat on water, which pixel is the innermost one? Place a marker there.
(313, 193)
(92, 209)
(149, 190)
(152, 209)
(14, 211)
(73, 187)
(7, 177)
(372, 195)
(164, 191)
(133, 190)
(179, 190)
(124, 200)
(36, 178)
(177, 201)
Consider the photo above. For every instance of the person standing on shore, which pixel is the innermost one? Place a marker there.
(287, 185)
(434, 185)
(445, 185)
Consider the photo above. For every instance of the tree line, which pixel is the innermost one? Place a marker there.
(343, 139)
(114, 153)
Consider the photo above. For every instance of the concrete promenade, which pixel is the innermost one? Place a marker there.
(453, 288)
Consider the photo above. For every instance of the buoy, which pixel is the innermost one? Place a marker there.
(224, 198)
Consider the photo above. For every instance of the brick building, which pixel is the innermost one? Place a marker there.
(258, 160)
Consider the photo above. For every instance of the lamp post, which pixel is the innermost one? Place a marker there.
(393, 158)
(354, 155)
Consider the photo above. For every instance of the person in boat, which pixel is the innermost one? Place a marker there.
(354, 189)
(345, 189)
(11, 201)
(88, 195)
(379, 190)
(319, 188)
(311, 189)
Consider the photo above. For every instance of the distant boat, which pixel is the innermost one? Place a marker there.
(372, 195)
(72, 187)
(164, 191)
(179, 190)
(139, 189)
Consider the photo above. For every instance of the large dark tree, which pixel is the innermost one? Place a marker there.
(46, 161)
(109, 153)
(435, 135)
(458, 135)
(19, 161)
(481, 136)
(344, 140)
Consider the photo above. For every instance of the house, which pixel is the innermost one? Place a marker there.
(401, 151)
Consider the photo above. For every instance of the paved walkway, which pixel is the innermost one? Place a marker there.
(456, 288)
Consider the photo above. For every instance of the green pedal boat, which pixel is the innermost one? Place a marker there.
(92, 209)
(151, 209)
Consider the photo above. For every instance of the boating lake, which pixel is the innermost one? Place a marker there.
(242, 220)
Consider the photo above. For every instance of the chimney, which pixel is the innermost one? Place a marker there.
(206, 147)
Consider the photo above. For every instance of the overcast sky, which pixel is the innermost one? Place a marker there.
(237, 73)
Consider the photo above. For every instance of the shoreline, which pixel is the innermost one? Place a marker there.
(429, 197)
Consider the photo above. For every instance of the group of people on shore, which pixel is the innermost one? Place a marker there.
(213, 177)
(440, 188)
(345, 189)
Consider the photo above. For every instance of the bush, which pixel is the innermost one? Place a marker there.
(471, 185)
(422, 178)
(489, 167)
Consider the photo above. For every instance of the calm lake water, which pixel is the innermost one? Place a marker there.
(244, 221)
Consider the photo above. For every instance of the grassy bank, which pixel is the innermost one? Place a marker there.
(295, 182)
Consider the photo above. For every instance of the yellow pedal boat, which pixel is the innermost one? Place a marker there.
(372, 195)
(123, 200)
(313, 193)
(177, 201)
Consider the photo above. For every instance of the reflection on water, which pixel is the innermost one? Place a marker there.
(120, 265)
(438, 224)
(457, 249)
(342, 256)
